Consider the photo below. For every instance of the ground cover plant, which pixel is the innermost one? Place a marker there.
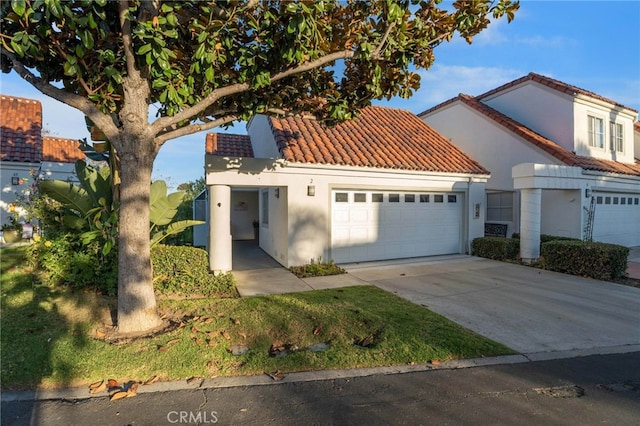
(317, 269)
(53, 337)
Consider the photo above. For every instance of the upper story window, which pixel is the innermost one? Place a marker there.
(617, 138)
(596, 132)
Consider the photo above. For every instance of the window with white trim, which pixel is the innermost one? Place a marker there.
(617, 137)
(596, 132)
(500, 206)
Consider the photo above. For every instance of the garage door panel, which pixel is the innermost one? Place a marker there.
(615, 222)
(388, 230)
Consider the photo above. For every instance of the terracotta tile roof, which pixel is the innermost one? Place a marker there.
(21, 127)
(380, 137)
(59, 150)
(229, 145)
(636, 126)
(562, 154)
(556, 85)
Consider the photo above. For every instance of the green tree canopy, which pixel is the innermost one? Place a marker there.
(208, 63)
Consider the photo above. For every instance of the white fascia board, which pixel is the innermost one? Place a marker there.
(266, 172)
(589, 101)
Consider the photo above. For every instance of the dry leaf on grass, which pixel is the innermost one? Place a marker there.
(151, 381)
(172, 342)
(225, 334)
(97, 387)
(100, 334)
(276, 375)
(317, 330)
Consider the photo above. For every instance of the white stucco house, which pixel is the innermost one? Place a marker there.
(24, 149)
(563, 160)
(382, 186)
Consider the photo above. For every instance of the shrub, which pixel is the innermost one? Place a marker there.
(545, 238)
(317, 269)
(496, 248)
(184, 271)
(591, 259)
(64, 260)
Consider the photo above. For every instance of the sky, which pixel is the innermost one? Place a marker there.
(594, 45)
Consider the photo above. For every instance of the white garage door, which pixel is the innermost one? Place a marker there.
(375, 225)
(617, 219)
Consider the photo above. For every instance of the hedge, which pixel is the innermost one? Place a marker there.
(601, 261)
(496, 248)
(184, 271)
(545, 238)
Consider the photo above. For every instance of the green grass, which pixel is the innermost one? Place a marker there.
(48, 334)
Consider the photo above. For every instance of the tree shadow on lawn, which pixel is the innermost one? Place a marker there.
(42, 328)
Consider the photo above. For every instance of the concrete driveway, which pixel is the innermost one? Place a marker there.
(534, 312)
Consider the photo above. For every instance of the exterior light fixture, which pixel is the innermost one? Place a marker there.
(277, 192)
(15, 180)
(311, 190)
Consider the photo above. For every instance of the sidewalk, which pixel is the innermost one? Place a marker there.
(633, 263)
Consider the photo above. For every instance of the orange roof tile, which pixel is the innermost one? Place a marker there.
(379, 137)
(229, 145)
(556, 85)
(60, 150)
(20, 134)
(547, 145)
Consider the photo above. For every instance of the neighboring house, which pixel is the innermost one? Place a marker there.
(565, 155)
(23, 149)
(382, 186)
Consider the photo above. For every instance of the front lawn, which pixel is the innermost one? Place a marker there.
(49, 335)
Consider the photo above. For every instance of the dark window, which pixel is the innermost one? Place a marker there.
(599, 200)
(623, 200)
(629, 200)
(452, 198)
(376, 198)
(424, 198)
(409, 198)
(635, 201)
(342, 197)
(360, 197)
(607, 200)
(438, 198)
(394, 198)
(615, 200)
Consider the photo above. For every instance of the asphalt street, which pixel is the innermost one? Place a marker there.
(601, 389)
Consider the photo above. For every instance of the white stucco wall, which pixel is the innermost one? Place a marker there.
(636, 144)
(9, 193)
(300, 225)
(562, 213)
(58, 171)
(542, 109)
(585, 108)
(244, 210)
(262, 139)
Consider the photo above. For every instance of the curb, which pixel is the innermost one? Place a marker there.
(264, 380)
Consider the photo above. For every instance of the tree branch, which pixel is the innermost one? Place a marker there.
(125, 25)
(187, 114)
(194, 128)
(376, 53)
(103, 121)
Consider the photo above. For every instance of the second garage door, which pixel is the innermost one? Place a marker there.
(617, 219)
(376, 225)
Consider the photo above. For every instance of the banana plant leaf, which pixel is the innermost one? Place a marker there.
(174, 228)
(163, 207)
(72, 196)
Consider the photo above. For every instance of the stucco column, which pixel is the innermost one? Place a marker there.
(531, 208)
(220, 228)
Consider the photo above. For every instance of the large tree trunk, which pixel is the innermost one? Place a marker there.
(137, 312)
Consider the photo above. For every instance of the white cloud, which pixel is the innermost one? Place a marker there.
(443, 82)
